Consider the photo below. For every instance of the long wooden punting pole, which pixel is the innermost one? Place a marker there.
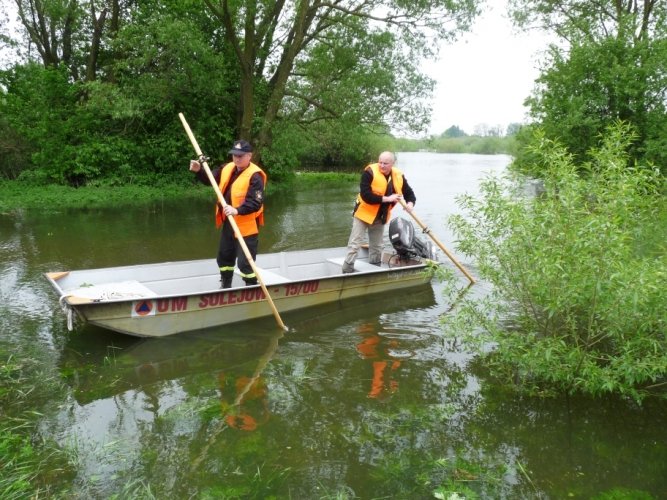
(239, 237)
(427, 230)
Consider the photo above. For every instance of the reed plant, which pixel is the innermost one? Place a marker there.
(577, 274)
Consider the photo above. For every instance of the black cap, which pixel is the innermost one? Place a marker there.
(240, 148)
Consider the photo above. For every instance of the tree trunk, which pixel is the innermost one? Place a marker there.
(98, 28)
(247, 101)
(302, 21)
(50, 35)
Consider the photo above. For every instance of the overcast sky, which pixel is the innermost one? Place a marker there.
(485, 76)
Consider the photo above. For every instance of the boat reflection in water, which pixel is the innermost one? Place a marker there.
(222, 377)
(100, 364)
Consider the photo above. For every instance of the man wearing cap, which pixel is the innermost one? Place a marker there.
(380, 188)
(242, 185)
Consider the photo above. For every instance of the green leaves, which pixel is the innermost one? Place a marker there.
(303, 81)
(610, 64)
(574, 303)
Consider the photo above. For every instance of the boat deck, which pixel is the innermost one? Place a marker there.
(270, 276)
(193, 277)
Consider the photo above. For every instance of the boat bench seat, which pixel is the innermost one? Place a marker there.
(359, 265)
(271, 278)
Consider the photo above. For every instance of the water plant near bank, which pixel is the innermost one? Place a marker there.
(29, 464)
(577, 273)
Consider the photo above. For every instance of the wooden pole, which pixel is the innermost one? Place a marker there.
(437, 242)
(239, 236)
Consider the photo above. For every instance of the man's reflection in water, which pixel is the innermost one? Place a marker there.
(378, 349)
(244, 401)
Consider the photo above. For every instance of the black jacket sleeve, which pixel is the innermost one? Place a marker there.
(203, 178)
(408, 193)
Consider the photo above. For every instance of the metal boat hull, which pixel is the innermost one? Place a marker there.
(176, 297)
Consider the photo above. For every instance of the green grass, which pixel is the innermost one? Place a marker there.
(15, 195)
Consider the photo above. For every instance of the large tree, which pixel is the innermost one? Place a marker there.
(69, 32)
(299, 78)
(316, 59)
(574, 20)
(610, 63)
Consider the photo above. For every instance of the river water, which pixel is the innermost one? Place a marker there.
(357, 400)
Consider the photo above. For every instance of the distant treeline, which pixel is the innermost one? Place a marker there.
(487, 145)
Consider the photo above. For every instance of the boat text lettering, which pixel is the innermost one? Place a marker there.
(227, 298)
(299, 288)
(176, 304)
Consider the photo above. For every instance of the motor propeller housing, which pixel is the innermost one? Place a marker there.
(406, 243)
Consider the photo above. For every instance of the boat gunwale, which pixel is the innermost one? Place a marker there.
(64, 296)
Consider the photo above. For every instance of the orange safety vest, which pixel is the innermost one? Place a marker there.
(248, 224)
(366, 211)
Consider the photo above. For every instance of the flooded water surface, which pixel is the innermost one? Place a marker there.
(360, 399)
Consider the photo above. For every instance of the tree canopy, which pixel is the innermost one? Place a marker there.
(610, 64)
(453, 131)
(300, 79)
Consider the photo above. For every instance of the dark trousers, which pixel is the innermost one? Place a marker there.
(230, 253)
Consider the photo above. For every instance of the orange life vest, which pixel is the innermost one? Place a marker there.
(248, 224)
(366, 211)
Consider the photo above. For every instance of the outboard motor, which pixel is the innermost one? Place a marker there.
(406, 244)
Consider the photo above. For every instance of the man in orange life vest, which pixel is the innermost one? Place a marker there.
(242, 185)
(381, 186)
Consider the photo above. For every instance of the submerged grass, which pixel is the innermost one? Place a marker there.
(414, 475)
(28, 463)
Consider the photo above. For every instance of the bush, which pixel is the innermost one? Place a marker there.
(577, 274)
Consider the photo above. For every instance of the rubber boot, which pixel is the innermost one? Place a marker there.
(226, 279)
(250, 281)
